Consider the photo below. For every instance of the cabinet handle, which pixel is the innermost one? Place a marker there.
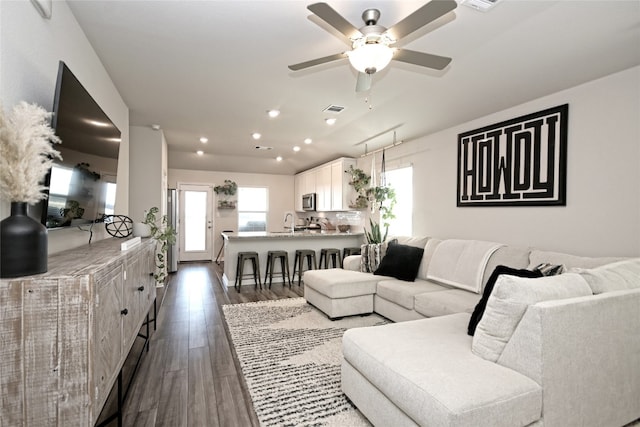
(124, 312)
(141, 288)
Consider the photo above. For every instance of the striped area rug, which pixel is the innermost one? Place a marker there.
(290, 354)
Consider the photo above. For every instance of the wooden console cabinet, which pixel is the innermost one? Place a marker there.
(65, 334)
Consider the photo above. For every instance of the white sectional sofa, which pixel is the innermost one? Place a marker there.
(555, 351)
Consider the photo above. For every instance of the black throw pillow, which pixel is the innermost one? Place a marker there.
(482, 304)
(401, 262)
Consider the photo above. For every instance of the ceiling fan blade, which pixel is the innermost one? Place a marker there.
(363, 83)
(421, 17)
(422, 59)
(333, 18)
(317, 61)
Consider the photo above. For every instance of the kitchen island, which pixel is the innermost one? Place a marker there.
(263, 241)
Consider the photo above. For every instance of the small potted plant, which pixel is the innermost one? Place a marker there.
(165, 235)
(224, 192)
(383, 198)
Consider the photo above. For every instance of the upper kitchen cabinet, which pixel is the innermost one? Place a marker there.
(304, 183)
(330, 182)
(323, 188)
(342, 194)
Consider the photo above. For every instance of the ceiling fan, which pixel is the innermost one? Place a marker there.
(371, 44)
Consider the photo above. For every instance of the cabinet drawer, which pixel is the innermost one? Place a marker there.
(108, 326)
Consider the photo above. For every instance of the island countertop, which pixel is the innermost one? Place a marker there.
(264, 241)
(250, 235)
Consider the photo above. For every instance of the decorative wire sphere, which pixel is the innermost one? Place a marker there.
(118, 225)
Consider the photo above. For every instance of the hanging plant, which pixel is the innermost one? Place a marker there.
(229, 188)
(360, 183)
(384, 200)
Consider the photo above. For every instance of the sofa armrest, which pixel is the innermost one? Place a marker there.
(589, 344)
(352, 262)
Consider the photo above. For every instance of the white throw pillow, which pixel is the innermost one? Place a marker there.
(509, 301)
(617, 276)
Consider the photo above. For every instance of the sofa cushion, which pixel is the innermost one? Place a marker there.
(426, 368)
(478, 311)
(415, 241)
(511, 256)
(401, 262)
(510, 299)
(339, 283)
(403, 293)
(429, 249)
(613, 277)
(461, 263)
(451, 301)
(538, 257)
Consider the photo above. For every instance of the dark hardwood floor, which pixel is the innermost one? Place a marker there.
(191, 376)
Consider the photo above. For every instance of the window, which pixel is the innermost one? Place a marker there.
(252, 208)
(401, 180)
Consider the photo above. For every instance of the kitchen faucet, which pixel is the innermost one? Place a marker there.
(289, 214)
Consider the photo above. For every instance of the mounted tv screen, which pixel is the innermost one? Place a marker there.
(82, 186)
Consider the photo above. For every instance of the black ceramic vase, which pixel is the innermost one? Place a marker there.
(23, 243)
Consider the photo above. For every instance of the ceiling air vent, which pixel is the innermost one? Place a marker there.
(481, 5)
(263, 147)
(335, 109)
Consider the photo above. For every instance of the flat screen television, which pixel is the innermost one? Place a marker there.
(81, 186)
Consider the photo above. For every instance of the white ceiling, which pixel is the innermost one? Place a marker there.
(213, 68)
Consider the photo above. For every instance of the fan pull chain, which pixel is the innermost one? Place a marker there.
(369, 101)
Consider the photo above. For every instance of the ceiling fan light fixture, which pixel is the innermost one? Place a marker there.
(370, 57)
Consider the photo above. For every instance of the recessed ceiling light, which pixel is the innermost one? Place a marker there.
(273, 113)
(308, 141)
(256, 136)
(155, 127)
(296, 148)
(330, 121)
(279, 158)
(204, 139)
(199, 152)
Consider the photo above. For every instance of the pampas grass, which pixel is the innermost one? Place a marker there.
(26, 152)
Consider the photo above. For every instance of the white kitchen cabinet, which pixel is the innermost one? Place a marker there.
(323, 188)
(341, 192)
(304, 183)
(330, 183)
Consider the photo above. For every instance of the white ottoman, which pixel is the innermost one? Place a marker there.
(339, 293)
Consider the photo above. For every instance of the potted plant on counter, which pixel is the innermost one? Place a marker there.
(224, 192)
(164, 235)
(383, 198)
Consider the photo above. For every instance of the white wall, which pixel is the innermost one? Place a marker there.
(147, 171)
(602, 215)
(30, 48)
(280, 196)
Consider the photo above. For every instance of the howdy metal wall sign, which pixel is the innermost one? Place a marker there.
(518, 162)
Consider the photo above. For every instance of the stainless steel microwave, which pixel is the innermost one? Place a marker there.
(309, 202)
